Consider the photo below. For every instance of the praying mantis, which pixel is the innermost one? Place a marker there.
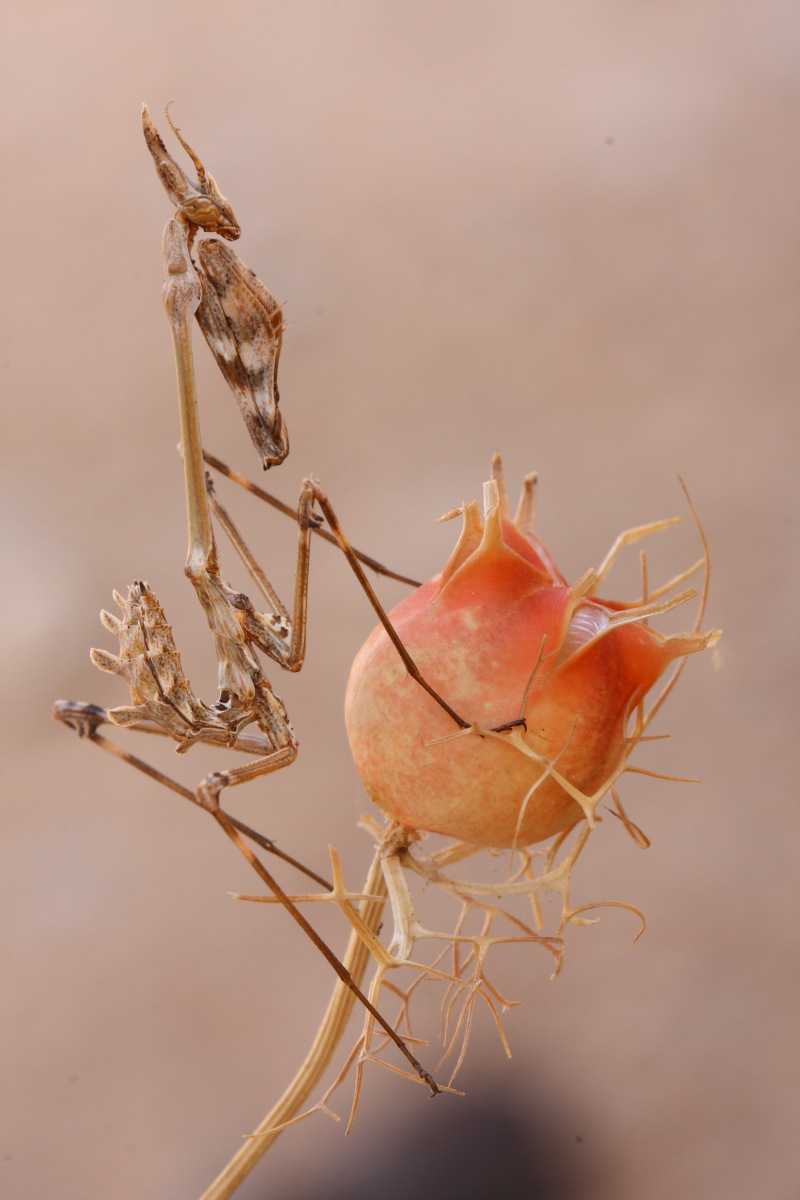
(243, 326)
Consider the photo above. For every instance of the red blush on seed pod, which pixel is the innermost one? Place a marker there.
(500, 635)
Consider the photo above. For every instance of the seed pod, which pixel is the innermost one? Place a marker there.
(501, 636)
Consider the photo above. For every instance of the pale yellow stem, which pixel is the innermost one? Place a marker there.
(329, 1034)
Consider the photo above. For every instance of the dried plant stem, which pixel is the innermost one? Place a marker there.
(319, 1055)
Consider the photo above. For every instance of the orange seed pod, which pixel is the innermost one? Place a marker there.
(502, 637)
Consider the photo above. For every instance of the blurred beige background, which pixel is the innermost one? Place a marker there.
(568, 231)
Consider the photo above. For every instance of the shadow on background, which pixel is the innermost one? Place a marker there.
(477, 1148)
